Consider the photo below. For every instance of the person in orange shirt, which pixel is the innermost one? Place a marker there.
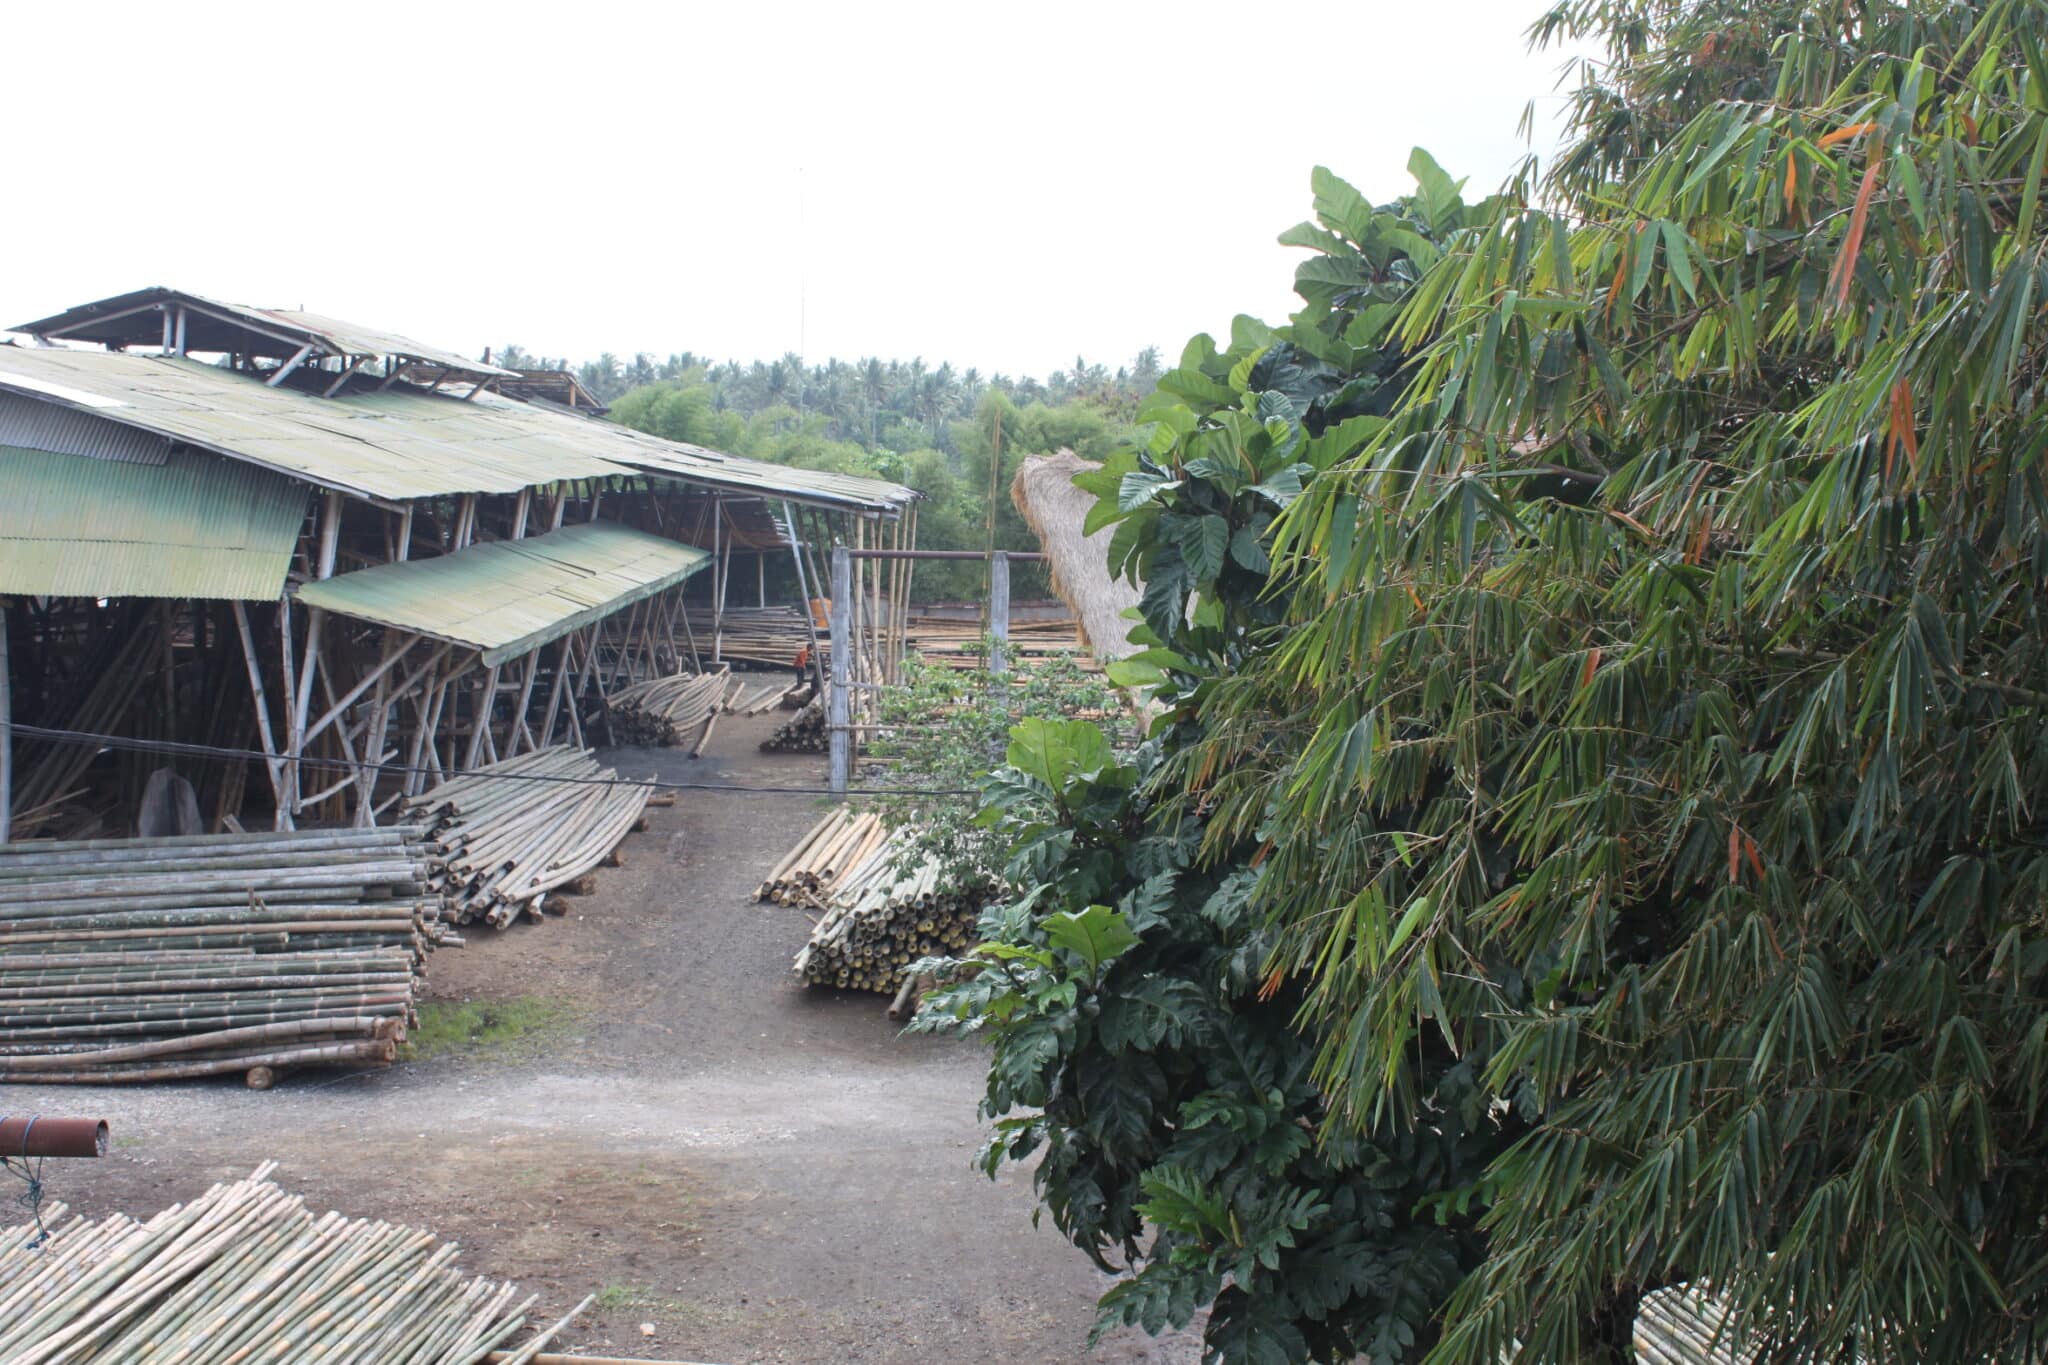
(803, 663)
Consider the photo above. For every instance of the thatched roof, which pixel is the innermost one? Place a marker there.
(1056, 510)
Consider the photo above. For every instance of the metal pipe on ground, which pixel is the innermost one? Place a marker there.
(37, 1135)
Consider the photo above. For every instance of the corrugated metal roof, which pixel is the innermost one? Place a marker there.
(33, 424)
(400, 442)
(392, 444)
(193, 526)
(212, 325)
(711, 468)
(505, 597)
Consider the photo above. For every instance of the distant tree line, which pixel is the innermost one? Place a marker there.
(932, 428)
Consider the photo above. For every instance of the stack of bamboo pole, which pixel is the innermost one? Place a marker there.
(959, 643)
(247, 1272)
(802, 733)
(768, 636)
(152, 959)
(663, 710)
(836, 845)
(514, 831)
(885, 914)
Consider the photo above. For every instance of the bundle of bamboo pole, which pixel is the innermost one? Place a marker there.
(247, 1272)
(152, 959)
(885, 914)
(514, 831)
(664, 710)
(767, 636)
(835, 846)
(802, 733)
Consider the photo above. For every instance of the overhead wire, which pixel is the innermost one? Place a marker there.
(180, 748)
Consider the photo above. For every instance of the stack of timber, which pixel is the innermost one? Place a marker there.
(835, 846)
(195, 955)
(884, 915)
(246, 1272)
(516, 830)
(665, 710)
(802, 733)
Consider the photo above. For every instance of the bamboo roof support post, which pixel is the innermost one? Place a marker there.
(835, 706)
(521, 513)
(288, 768)
(547, 725)
(480, 724)
(404, 534)
(6, 733)
(717, 588)
(876, 626)
(518, 725)
(761, 578)
(262, 705)
(803, 586)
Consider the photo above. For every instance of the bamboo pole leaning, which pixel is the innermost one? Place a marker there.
(154, 959)
(515, 831)
(247, 1272)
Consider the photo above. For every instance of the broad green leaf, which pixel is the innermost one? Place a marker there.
(1096, 935)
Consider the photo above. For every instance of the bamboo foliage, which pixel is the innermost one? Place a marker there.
(1656, 721)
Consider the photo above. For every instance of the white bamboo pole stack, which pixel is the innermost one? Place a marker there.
(247, 1272)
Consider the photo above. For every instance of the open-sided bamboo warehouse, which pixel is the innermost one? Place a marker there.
(247, 1272)
(155, 959)
(513, 832)
(344, 564)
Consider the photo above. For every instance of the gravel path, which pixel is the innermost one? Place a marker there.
(764, 1173)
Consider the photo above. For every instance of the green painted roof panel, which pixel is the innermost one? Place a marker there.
(506, 597)
(400, 443)
(196, 525)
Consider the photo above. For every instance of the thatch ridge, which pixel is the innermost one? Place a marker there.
(1055, 510)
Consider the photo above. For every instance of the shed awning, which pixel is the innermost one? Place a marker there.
(194, 525)
(507, 597)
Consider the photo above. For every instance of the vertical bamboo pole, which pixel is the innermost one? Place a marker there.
(835, 705)
(6, 733)
(998, 613)
(480, 725)
(262, 705)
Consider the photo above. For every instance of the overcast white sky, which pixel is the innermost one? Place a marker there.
(1000, 186)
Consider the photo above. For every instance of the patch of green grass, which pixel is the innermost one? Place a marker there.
(513, 1025)
(621, 1298)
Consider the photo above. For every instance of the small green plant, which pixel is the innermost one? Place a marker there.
(946, 727)
(625, 1298)
(488, 1027)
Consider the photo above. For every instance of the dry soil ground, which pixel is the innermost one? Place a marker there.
(765, 1173)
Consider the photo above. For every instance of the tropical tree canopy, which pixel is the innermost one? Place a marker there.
(1602, 647)
(1657, 718)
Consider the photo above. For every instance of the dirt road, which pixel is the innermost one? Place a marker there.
(765, 1173)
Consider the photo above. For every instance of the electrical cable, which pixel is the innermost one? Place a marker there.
(179, 748)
